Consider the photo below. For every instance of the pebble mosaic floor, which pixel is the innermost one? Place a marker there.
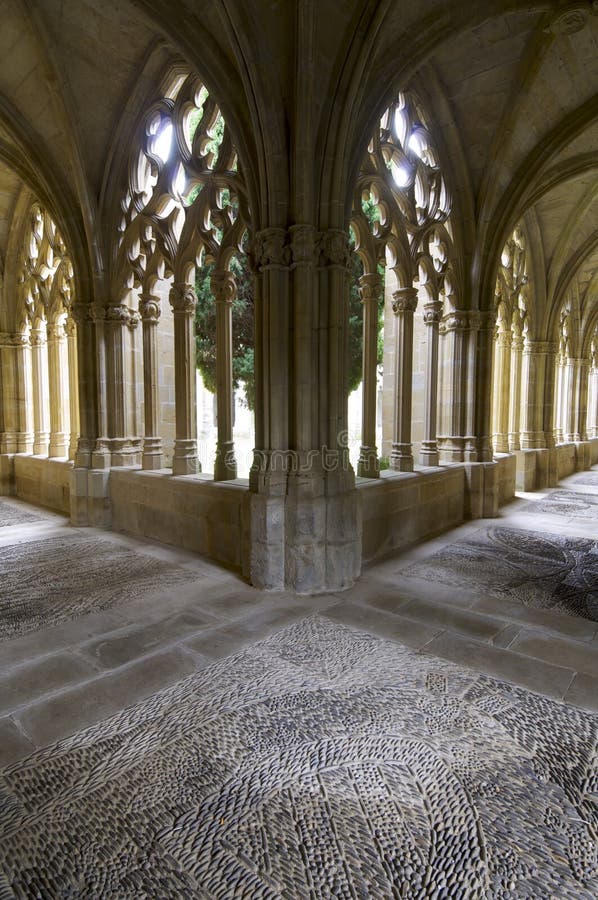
(541, 570)
(42, 586)
(566, 503)
(319, 762)
(14, 515)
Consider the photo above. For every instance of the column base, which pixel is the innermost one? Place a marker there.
(58, 448)
(369, 464)
(41, 444)
(152, 453)
(481, 490)
(185, 460)
(428, 455)
(401, 458)
(451, 449)
(90, 497)
(225, 464)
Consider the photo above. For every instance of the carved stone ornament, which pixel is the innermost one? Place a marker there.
(370, 287)
(404, 300)
(572, 19)
(37, 338)
(70, 327)
(334, 248)
(117, 313)
(304, 240)
(454, 321)
(182, 298)
(432, 312)
(80, 312)
(16, 339)
(223, 286)
(149, 307)
(270, 248)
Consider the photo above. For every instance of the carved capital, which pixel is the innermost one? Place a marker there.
(37, 338)
(15, 339)
(404, 300)
(70, 326)
(334, 249)
(80, 312)
(97, 312)
(432, 312)
(370, 287)
(149, 307)
(270, 248)
(182, 298)
(454, 321)
(134, 319)
(223, 286)
(118, 314)
(304, 240)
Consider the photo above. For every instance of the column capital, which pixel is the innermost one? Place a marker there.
(118, 314)
(70, 326)
(14, 339)
(150, 307)
(37, 337)
(334, 249)
(538, 346)
(404, 300)
(432, 312)
(183, 299)
(80, 312)
(303, 244)
(270, 249)
(223, 286)
(457, 320)
(370, 287)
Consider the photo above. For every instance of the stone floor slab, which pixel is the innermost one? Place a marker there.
(28, 682)
(13, 743)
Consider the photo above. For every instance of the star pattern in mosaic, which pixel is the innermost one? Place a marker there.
(280, 772)
(541, 570)
(42, 585)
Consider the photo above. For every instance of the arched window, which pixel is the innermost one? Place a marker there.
(404, 240)
(48, 390)
(182, 234)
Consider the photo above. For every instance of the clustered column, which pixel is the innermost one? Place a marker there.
(502, 367)
(73, 370)
(149, 310)
(515, 392)
(39, 371)
(183, 302)
(404, 303)
(370, 288)
(533, 368)
(224, 290)
(429, 447)
(58, 389)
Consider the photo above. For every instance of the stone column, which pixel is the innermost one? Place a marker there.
(58, 384)
(558, 429)
(515, 398)
(429, 449)
(533, 371)
(548, 384)
(370, 288)
(404, 303)
(580, 398)
(87, 387)
(39, 371)
(149, 309)
(569, 400)
(451, 443)
(502, 357)
(224, 291)
(123, 445)
(16, 393)
(183, 302)
(71, 340)
(592, 425)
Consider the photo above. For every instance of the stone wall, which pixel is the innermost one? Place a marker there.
(507, 468)
(45, 482)
(195, 513)
(399, 509)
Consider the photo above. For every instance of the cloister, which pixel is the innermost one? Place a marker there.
(288, 288)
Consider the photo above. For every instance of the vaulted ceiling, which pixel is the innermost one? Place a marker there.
(512, 86)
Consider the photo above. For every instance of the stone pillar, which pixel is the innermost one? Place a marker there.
(87, 389)
(58, 385)
(502, 359)
(580, 398)
(123, 445)
(404, 303)
(16, 393)
(370, 288)
(71, 340)
(592, 421)
(569, 401)
(558, 423)
(224, 291)
(533, 371)
(149, 309)
(515, 393)
(429, 449)
(451, 442)
(183, 302)
(549, 373)
(39, 372)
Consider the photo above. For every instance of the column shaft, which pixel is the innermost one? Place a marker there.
(149, 308)
(39, 372)
(370, 287)
(183, 302)
(429, 449)
(224, 290)
(404, 303)
(515, 394)
(58, 385)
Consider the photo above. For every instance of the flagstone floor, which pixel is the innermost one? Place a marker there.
(168, 731)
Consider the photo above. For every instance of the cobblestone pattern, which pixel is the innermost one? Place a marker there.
(319, 763)
(586, 478)
(42, 586)
(13, 515)
(566, 503)
(545, 571)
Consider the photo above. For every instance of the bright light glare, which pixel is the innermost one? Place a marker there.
(399, 174)
(163, 143)
(180, 182)
(416, 144)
